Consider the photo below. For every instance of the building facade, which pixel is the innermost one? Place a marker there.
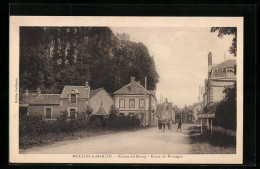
(73, 100)
(219, 76)
(135, 100)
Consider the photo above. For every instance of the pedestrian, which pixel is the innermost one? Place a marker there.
(160, 125)
(163, 125)
(179, 125)
(169, 125)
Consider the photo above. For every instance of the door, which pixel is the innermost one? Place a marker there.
(73, 113)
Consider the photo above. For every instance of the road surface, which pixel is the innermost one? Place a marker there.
(144, 141)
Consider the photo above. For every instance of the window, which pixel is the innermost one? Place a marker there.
(73, 113)
(141, 103)
(48, 113)
(131, 103)
(121, 103)
(73, 98)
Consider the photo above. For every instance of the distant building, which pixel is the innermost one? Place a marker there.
(219, 77)
(197, 108)
(185, 115)
(165, 111)
(135, 100)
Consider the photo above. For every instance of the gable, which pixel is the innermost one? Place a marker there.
(82, 91)
(132, 89)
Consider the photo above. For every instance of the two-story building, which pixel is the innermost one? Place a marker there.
(135, 100)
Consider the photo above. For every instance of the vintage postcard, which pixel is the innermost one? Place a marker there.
(165, 90)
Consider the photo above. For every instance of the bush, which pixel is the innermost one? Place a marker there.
(122, 122)
(226, 111)
(220, 138)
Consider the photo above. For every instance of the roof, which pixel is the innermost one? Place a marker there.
(226, 64)
(94, 92)
(23, 105)
(136, 89)
(42, 99)
(100, 111)
(82, 91)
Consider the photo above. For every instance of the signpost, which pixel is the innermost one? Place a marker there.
(206, 116)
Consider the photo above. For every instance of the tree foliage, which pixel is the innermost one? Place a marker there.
(51, 57)
(228, 31)
(226, 111)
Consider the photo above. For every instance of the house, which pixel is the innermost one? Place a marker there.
(219, 77)
(165, 111)
(73, 100)
(135, 100)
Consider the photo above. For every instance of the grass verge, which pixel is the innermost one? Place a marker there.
(220, 142)
(29, 141)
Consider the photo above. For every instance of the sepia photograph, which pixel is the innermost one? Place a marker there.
(120, 90)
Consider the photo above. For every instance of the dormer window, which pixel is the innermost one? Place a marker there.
(73, 98)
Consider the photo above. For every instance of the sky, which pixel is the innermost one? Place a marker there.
(181, 58)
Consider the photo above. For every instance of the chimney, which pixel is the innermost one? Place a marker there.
(210, 59)
(86, 85)
(209, 63)
(145, 82)
(38, 91)
(26, 92)
(132, 82)
(132, 79)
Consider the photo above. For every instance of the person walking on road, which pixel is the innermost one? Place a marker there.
(160, 125)
(169, 125)
(163, 125)
(179, 125)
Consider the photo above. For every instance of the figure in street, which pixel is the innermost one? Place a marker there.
(160, 125)
(179, 125)
(169, 125)
(163, 125)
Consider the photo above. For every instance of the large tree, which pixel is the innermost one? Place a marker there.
(51, 57)
(228, 31)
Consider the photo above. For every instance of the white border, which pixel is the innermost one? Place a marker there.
(17, 21)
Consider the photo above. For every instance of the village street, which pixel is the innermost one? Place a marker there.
(146, 141)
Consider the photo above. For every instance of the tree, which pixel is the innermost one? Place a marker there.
(52, 57)
(89, 111)
(226, 112)
(228, 31)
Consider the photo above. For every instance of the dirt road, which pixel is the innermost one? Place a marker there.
(145, 141)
